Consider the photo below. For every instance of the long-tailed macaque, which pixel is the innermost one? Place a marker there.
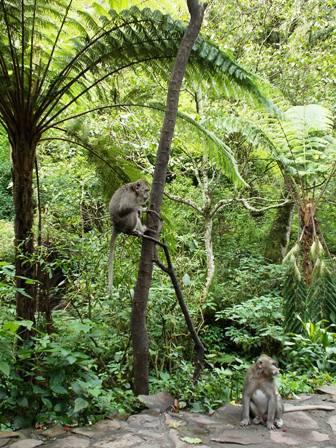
(261, 399)
(125, 207)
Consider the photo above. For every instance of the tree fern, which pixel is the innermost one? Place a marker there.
(294, 294)
(321, 300)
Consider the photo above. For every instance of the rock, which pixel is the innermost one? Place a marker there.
(327, 389)
(199, 419)
(27, 443)
(126, 441)
(53, 431)
(106, 425)
(175, 438)
(229, 414)
(146, 421)
(298, 437)
(87, 431)
(159, 402)
(70, 442)
(240, 437)
(8, 434)
(332, 422)
(174, 422)
(300, 420)
(4, 442)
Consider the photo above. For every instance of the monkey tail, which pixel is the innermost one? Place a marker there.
(111, 259)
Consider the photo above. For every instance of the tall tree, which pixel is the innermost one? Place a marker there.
(54, 58)
(139, 332)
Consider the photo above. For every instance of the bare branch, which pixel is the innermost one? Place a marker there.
(221, 204)
(187, 202)
(250, 207)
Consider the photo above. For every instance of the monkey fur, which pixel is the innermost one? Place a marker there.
(125, 207)
(261, 399)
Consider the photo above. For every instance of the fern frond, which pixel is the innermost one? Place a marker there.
(294, 294)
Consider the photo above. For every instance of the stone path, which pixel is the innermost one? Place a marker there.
(152, 429)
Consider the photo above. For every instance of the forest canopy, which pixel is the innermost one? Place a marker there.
(245, 262)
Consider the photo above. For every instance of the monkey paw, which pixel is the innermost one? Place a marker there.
(245, 422)
(271, 426)
(278, 422)
(257, 421)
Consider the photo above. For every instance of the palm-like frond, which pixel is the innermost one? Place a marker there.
(299, 140)
(52, 55)
(216, 148)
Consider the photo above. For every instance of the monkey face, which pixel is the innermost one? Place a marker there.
(142, 191)
(267, 366)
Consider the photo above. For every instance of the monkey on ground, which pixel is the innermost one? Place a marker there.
(125, 207)
(261, 399)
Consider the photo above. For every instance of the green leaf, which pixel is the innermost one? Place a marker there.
(186, 280)
(4, 368)
(58, 389)
(80, 404)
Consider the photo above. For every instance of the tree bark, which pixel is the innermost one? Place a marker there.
(23, 156)
(210, 259)
(138, 320)
(308, 235)
(278, 237)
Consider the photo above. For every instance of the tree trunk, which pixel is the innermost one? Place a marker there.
(278, 237)
(210, 259)
(308, 235)
(138, 321)
(23, 156)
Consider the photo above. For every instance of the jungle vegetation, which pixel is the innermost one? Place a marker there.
(228, 111)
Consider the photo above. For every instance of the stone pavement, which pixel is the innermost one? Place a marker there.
(153, 429)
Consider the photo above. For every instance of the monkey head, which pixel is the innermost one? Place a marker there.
(267, 367)
(141, 190)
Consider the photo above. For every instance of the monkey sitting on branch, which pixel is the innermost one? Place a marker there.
(261, 399)
(125, 208)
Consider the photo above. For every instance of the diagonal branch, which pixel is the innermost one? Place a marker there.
(187, 202)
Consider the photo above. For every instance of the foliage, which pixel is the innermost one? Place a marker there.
(216, 386)
(312, 351)
(6, 241)
(81, 370)
(256, 324)
(315, 301)
(6, 204)
(62, 383)
(294, 383)
(246, 276)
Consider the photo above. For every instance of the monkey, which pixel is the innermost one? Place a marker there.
(125, 208)
(261, 399)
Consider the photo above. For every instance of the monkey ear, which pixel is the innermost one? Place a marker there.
(135, 186)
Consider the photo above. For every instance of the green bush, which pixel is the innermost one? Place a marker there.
(314, 350)
(55, 379)
(6, 241)
(256, 325)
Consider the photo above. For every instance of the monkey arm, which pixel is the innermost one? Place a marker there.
(245, 419)
(272, 403)
(124, 210)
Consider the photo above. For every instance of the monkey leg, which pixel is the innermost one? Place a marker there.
(254, 410)
(272, 408)
(278, 421)
(245, 418)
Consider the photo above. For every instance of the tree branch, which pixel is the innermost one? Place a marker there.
(187, 202)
